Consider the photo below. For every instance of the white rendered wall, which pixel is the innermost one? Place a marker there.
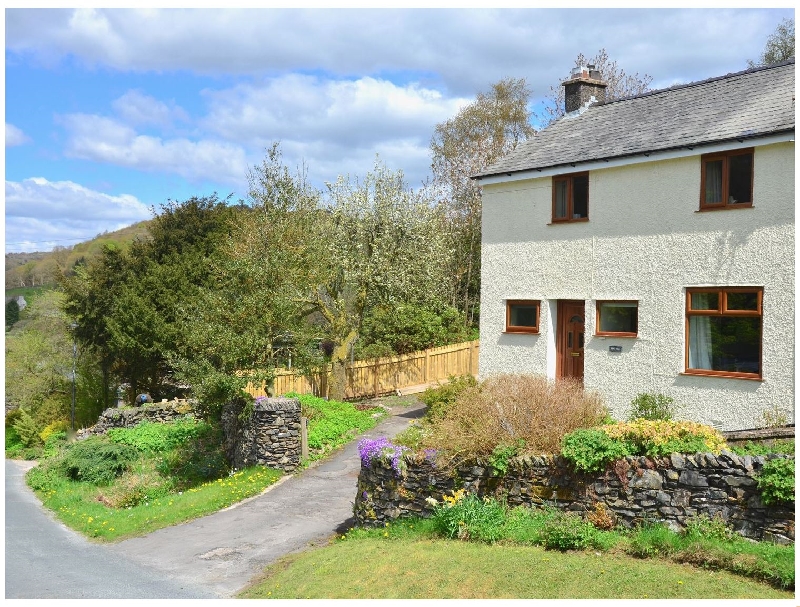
(646, 241)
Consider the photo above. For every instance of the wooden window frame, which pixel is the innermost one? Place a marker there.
(723, 310)
(724, 157)
(600, 333)
(569, 179)
(521, 328)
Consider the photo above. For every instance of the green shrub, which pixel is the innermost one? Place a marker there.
(150, 437)
(27, 429)
(440, 398)
(45, 476)
(776, 481)
(502, 454)
(652, 406)
(56, 427)
(567, 531)
(750, 448)
(53, 444)
(96, 461)
(590, 450)
(660, 437)
(653, 539)
(705, 527)
(469, 517)
(13, 440)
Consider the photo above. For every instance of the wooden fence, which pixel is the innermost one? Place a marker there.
(373, 378)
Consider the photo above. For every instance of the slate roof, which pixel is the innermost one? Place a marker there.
(754, 103)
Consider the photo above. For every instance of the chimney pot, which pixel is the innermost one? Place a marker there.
(585, 86)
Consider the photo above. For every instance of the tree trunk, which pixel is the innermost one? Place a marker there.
(338, 383)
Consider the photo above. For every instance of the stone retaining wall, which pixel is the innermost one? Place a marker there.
(269, 437)
(669, 489)
(128, 417)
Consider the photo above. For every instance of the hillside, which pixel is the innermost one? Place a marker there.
(37, 268)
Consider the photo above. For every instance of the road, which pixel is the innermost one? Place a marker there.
(212, 557)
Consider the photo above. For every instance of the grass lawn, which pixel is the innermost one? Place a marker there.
(78, 507)
(419, 568)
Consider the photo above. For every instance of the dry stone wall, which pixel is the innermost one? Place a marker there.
(635, 489)
(269, 436)
(128, 417)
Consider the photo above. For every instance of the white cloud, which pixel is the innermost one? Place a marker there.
(40, 214)
(15, 136)
(102, 139)
(335, 126)
(136, 108)
(466, 49)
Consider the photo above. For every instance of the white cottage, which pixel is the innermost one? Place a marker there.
(647, 244)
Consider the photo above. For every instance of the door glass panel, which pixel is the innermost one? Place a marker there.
(580, 340)
(576, 318)
(569, 339)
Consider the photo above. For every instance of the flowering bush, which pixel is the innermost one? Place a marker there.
(590, 450)
(380, 448)
(661, 437)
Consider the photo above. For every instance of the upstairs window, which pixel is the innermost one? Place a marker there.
(571, 197)
(617, 318)
(727, 180)
(723, 331)
(522, 316)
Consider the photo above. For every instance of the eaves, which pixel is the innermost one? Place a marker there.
(667, 153)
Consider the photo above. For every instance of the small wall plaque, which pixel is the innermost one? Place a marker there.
(615, 348)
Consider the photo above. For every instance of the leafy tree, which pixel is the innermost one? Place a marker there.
(258, 281)
(39, 359)
(126, 303)
(385, 245)
(12, 313)
(408, 328)
(779, 46)
(481, 133)
(619, 83)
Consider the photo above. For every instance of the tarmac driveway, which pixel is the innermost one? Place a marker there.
(219, 554)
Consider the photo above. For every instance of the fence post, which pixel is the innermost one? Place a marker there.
(377, 381)
(304, 438)
(471, 346)
(427, 365)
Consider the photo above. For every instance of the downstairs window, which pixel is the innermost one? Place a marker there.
(723, 331)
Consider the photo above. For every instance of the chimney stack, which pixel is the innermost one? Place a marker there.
(584, 86)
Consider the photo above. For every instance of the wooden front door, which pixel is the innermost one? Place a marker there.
(569, 347)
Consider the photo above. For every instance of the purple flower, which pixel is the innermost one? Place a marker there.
(379, 448)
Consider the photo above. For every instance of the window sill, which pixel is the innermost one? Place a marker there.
(518, 332)
(628, 335)
(727, 207)
(555, 222)
(724, 375)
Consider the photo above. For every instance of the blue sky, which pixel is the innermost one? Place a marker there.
(110, 112)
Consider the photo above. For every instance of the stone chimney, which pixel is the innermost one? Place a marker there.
(583, 87)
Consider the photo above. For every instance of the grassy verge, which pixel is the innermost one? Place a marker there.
(408, 566)
(77, 504)
(134, 481)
